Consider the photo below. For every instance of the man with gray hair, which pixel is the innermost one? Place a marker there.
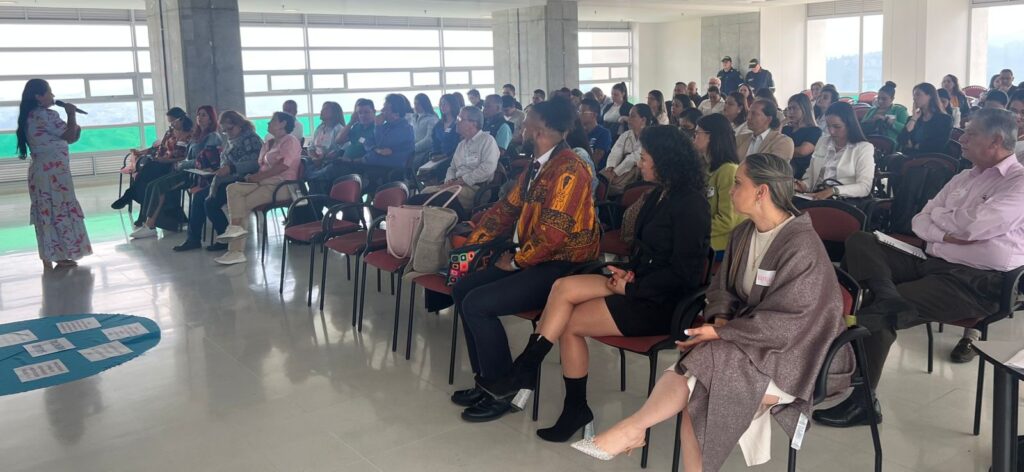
(974, 230)
(475, 158)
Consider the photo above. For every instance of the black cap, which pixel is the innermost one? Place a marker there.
(726, 58)
(753, 63)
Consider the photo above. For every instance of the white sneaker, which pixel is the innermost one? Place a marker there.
(231, 257)
(143, 232)
(232, 232)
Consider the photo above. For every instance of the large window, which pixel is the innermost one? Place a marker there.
(606, 58)
(996, 42)
(314, 63)
(101, 65)
(846, 51)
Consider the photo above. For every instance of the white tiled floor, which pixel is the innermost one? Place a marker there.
(247, 380)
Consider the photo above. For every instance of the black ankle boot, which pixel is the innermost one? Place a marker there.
(524, 370)
(121, 202)
(576, 414)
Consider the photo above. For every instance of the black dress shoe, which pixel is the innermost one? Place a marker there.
(188, 245)
(468, 397)
(487, 409)
(849, 412)
(120, 203)
(217, 247)
(963, 352)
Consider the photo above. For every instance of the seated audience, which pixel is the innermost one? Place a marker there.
(680, 103)
(239, 158)
(772, 333)
(947, 105)
(995, 99)
(621, 168)
(816, 91)
(885, 117)
(748, 96)
(350, 148)
(957, 99)
(974, 230)
(539, 95)
(578, 141)
(150, 163)
(716, 143)
(715, 81)
(688, 121)
(445, 134)
(291, 107)
(802, 129)
(656, 100)
(843, 164)
(280, 160)
(763, 134)
(712, 103)
(615, 115)
(669, 253)
(679, 89)
(475, 158)
(928, 130)
(1017, 107)
(694, 92)
(599, 137)
(423, 119)
(172, 181)
(550, 216)
(735, 110)
(494, 122)
(473, 95)
(325, 147)
(393, 138)
(826, 97)
(1005, 82)
(512, 114)
(577, 96)
(600, 96)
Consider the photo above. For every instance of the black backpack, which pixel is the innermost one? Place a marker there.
(917, 185)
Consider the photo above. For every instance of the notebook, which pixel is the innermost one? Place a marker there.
(900, 245)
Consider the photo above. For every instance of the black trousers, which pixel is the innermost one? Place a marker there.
(147, 173)
(483, 296)
(939, 291)
(215, 207)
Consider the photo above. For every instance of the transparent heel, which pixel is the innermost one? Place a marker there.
(588, 431)
(521, 398)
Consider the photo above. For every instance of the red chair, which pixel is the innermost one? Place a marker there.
(382, 261)
(867, 97)
(956, 133)
(263, 211)
(834, 221)
(612, 210)
(974, 91)
(861, 111)
(611, 240)
(846, 100)
(353, 244)
(346, 189)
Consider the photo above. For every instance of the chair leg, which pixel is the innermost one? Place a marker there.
(931, 345)
(650, 387)
(412, 307)
(378, 281)
(355, 291)
(323, 277)
(869, 401)
(977, 396)
(622, 370)
(677, 444)
(392, 284)
(455, 339)
(362, 296)
(792, 460)
(312, 264)
(348, 268)
(284, 258)
(942, 326)
(536, 396)
(394, 331)
(263, 237)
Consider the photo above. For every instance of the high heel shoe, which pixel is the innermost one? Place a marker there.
(521, 382)
(590, 448)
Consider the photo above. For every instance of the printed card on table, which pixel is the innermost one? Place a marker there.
(49, 346)
(78, 325)
(105, 351)
(125, 331)
(41, 370)
(17, 337)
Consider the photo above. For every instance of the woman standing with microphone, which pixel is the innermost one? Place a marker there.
(55, 212)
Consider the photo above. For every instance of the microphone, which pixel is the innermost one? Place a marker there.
(77, 110)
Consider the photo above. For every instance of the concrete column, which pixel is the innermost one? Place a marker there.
(537, 47)
(195, 46)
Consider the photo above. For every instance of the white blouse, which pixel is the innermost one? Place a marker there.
(852, 166)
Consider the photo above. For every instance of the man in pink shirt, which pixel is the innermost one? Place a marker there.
(974, 230)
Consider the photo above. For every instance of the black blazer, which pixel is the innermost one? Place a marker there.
(671, 246)
(928, 136)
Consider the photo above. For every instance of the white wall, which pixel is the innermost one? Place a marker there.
(737, 36)
(947, 40)
(923, 40)
(783, 46)
(667, 53)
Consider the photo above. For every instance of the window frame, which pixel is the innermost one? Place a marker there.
(630, 79)
(860, 49)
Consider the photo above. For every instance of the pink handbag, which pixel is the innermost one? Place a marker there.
(403, 223)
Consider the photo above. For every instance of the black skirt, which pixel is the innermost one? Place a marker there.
(640, 317)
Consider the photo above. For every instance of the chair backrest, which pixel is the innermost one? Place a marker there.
(601, 194)
(389, 195)
(834, 220)
(846, 100)
(935, 158)
(808, 93)
(884, 145)
(347, 189)
(709, 266)
(954, 149)
(867, 97)
(861, 112)
(851, 292)
(633, 193)
(956, 133)
(974, 91)
(518, 166)
(920, 180)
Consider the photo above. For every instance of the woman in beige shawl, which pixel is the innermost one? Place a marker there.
(774, 307)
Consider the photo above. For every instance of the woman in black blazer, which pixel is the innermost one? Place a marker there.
(673, 231)
(615, 114)
(928, 130)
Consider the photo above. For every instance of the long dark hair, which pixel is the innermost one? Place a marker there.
(742, 102)
(660, 98)
(677, 163)
(956, 85)
(339, 115)
(28, 103)
(455, 104)
(422, 102)
(722, 140)
(198, 134)
(844, 111)
(646, 113)
(933, 97)
(806, 109)
(621, 87)
(577, 137)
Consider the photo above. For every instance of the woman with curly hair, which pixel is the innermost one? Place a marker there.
(669, 251)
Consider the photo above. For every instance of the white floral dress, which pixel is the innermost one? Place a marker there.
(55, 213)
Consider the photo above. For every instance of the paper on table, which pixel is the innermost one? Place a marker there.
(49, 346)
(16, 337)
(125, 331)
(105, 351)
(41, 370)
(1017, 360)
(77, 325)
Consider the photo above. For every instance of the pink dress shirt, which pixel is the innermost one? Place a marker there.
(985, 206)
(288, 151)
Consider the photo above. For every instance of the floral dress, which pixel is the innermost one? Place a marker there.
(55, 213)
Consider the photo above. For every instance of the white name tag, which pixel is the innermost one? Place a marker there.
(362, 140)
(798, 435)
(765, 277)
(711, 192)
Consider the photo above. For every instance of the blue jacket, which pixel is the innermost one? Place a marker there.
(445, 141)
(399, 137)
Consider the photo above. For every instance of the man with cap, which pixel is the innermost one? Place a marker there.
(731, 78)
(759, 77)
